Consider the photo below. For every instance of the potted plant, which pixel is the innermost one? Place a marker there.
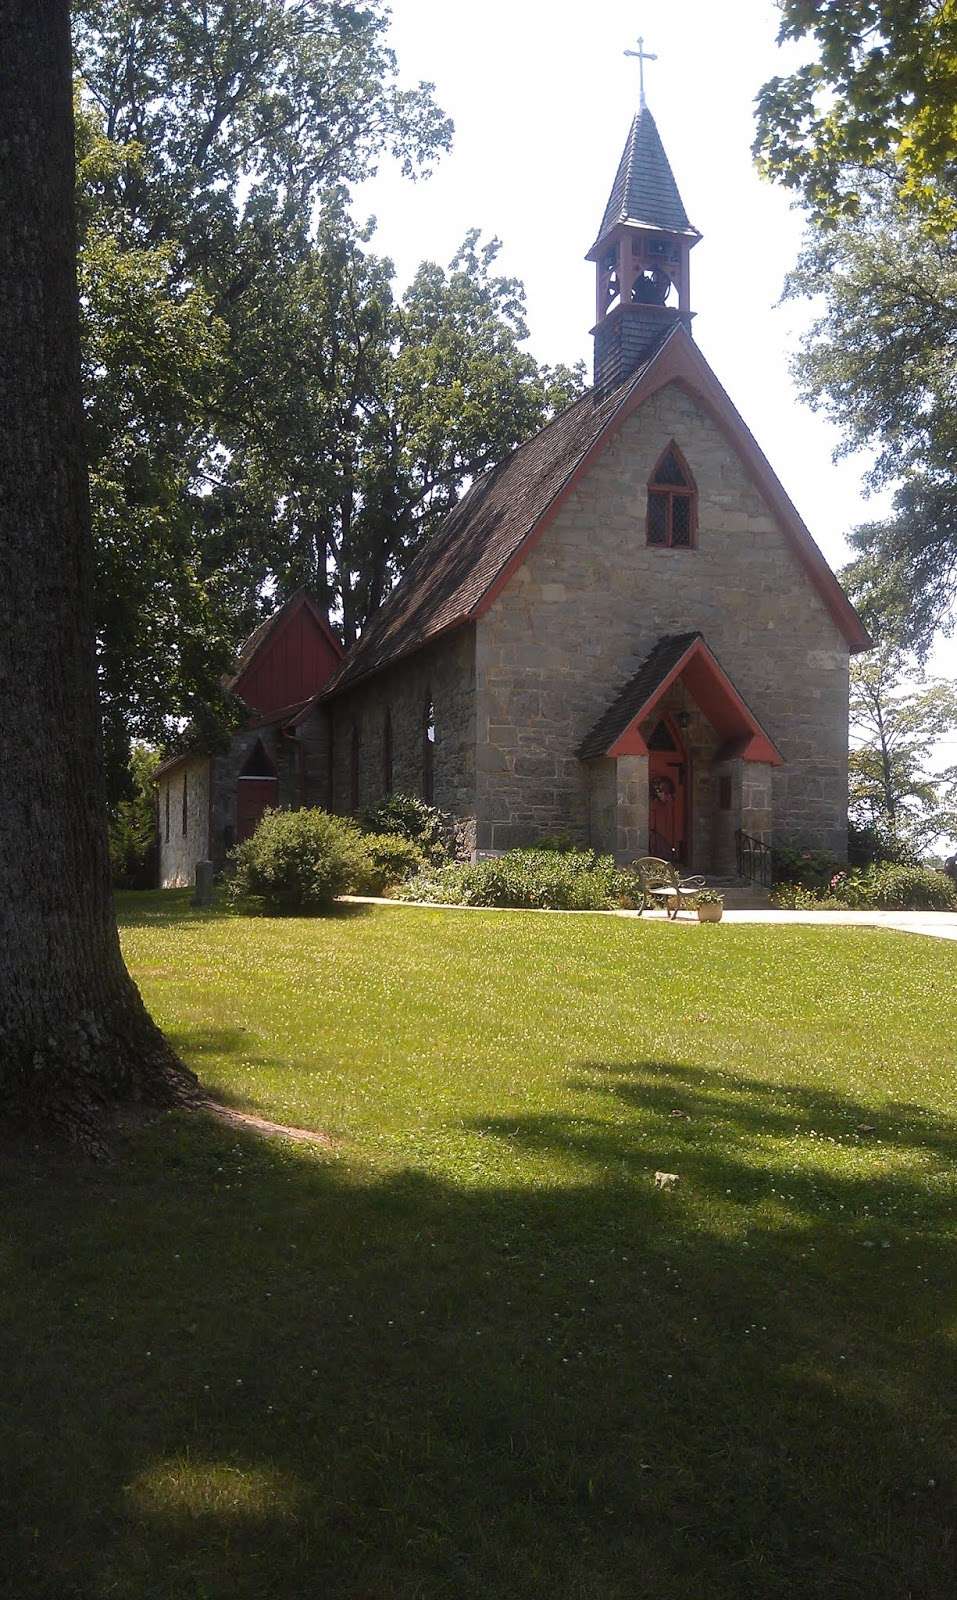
(710, 905)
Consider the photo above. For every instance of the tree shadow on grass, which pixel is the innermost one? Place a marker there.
(241, 1369)
(151, 908)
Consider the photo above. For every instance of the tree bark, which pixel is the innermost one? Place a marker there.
(74, 1033)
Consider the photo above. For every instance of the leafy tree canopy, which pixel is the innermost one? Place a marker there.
(881, 93)
(897, 724)
(880, 361)
(263, 409)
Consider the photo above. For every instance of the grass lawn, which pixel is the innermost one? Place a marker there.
(473, 1351)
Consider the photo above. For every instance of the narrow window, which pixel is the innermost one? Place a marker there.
(166, 831)
(354, 767)
(428, 752)
(724, 794)
(185, 803)
(387, 752)
(672, 503)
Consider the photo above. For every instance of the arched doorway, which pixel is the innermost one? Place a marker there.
(668, 792)
(257, 790)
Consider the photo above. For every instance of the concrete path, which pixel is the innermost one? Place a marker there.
(934, 924)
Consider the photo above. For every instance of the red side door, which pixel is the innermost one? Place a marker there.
(253, 797)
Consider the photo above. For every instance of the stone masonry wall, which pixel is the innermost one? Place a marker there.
(580, 615)
(443, 673)
(179, 851)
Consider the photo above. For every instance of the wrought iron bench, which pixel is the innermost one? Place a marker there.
(662, 885)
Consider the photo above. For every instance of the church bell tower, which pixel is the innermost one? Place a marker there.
(641, 257)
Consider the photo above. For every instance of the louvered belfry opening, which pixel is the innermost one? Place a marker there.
(672, 502)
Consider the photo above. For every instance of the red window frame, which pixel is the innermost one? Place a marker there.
(670, 493)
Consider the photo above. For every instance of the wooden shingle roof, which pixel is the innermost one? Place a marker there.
(635, 695)
(451, 574)
(644, 190)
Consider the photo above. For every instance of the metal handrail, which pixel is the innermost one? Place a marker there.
(755, 859)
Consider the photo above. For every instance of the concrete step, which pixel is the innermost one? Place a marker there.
(743, 896)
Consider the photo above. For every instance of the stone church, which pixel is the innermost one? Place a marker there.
(623, 633)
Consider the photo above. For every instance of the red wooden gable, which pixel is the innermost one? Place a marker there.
(293, 659)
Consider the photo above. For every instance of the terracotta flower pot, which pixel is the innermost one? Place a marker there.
(710, 913)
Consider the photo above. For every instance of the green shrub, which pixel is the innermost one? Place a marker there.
(794, 897)
(561, 844)
(298, 861)
(812, 869)
(432, 830)
(875, 841)
(393, 859)
(530, 880)
(883, 886)
(888, 886)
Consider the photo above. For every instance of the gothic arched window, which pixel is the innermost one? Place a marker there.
(672, 502)
(428, 752)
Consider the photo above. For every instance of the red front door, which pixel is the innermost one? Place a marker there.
(253, 797)
(668, 797)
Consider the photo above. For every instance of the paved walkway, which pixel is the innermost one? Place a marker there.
(933, 924)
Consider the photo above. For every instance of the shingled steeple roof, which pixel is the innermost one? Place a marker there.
(644, 190)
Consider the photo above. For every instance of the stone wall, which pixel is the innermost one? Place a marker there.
(178, 850)
(583, 611)
(443, 673)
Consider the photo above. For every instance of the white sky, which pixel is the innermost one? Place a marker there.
(542, 97)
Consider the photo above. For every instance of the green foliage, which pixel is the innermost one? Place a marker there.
(430, 829)
(810, 869)
(897, 722)
(879, 363)
(132, 824)
(798, 897)
(880, 94)
(556, 843)
(530, 880)
(264, 411)
(873, 842)
(882, 886)
(392, 859)
(375, 411)
(297, 862)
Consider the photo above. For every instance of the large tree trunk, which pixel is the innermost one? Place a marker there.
(74, 1034)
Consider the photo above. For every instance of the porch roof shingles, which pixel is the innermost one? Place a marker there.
(637, 692)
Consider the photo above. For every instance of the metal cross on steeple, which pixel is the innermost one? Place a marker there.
(641, 55)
